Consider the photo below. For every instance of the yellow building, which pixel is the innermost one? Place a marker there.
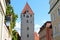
(55, 18)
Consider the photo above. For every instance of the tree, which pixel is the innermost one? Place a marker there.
(13, 16)
(15, 36)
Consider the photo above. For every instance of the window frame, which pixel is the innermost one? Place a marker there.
(59, 26)
(27, 28)
(23, 15)
(27, 21)
(27, 35)
(30, 15)
(54, 30)
(59, 12)
(53, 17)
(27, 16)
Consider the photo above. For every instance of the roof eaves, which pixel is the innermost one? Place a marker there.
(53, 6)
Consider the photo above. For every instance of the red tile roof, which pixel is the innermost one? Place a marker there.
(36, 36)
(27, 7)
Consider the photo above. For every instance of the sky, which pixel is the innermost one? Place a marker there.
(40, 9)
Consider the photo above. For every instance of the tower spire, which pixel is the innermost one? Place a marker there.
(27, 7)
(27, 23)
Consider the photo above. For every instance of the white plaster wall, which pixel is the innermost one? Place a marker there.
(3, 5)
(3, 29)
(5, 34)
(0, 23)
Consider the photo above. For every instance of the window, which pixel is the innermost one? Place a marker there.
(53, 17)
(27, 28)
(27, 10)
(23, 15)
(27, 16)
(58, 11)
(31, 21)
(54, 29)
(27, 35)
(30, 15)
(27, 21)
(59, 26)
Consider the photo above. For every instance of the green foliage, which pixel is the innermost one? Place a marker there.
(9, 12)
(15, 36)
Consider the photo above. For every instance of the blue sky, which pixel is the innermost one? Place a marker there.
(39, 7)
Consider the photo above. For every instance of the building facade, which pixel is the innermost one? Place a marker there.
(3, 29)
(27, 23)
(55, 18)
(2, 12)
(36, 36)
(45, 32)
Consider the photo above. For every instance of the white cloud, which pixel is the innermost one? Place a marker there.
(18, 27)
(37, 28)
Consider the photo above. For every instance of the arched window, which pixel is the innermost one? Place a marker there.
(58, 11)
(27, 28)
(27, 35)
(27, 21)
(27, 16)
(30, 15)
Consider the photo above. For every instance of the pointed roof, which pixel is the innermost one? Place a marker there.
(27, 7)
